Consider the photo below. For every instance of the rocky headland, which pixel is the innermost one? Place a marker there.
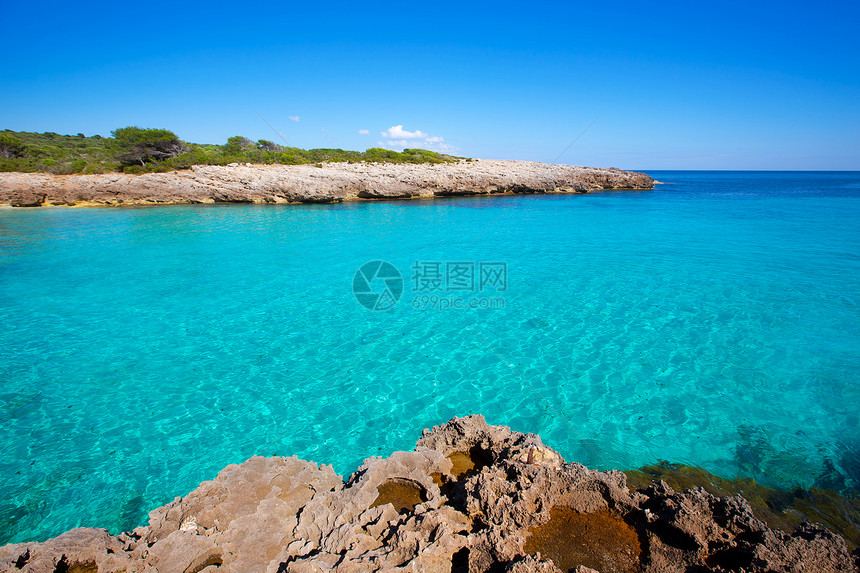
(470, 497)
(318, 183)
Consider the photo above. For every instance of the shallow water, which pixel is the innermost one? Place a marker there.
(712, 322)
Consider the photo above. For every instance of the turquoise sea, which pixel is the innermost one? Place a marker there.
(714, 321)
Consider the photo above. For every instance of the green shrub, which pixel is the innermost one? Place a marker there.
(381, 155)
(138, 145)
(18, 164)
(267, 145)
(238, 144)
(11, 146)
(188, 159)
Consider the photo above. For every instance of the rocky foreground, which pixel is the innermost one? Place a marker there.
(320, 183)
(471, 497)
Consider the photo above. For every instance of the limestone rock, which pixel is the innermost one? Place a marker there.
(470, 497)
(81, 548)
(331, 183)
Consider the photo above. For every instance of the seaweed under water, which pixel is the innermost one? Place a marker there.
(783, 510)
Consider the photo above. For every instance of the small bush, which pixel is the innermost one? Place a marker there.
(11, 146)
(238, 144)
(138, 145)
(267, 145)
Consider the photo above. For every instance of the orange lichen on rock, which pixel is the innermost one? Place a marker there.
(403, 494)
(599, 540)
(466, 464)
(462, 462)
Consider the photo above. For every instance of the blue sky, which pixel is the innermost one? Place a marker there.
(732, 85)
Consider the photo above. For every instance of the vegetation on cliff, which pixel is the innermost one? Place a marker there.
(139, 150)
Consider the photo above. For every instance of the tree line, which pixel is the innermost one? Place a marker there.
(145, 150)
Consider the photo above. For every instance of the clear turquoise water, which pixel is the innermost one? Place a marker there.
(714, 321)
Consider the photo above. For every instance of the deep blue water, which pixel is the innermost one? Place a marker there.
(714, 321)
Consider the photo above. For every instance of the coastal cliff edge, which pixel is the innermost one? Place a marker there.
(319, 183)
(470, 497)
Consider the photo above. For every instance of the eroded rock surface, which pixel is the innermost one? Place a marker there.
(471, 497)
(327, 183)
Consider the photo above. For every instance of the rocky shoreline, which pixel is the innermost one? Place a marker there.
(319, 183)
(470, 497)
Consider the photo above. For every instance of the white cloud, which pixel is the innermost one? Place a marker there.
(439, 144)
(397, 132)
(399, 138)
(294, 118)
(363, 132)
